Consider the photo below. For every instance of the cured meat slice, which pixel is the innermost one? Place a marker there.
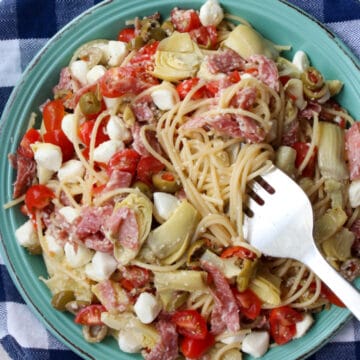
(226, 308)
(352, 146)
(225, 62)
(167, 347)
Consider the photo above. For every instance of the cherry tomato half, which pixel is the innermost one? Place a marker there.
(283, 323)
(53, 114)
(302, 149)
(249, 303)
(190, 323)
(30, 137)
(205, 36)
(145, 53)
(37, 197)
(147, 167)
(57, 137)
(195, 348)
(90, 315)
(185, 86)
(238, 251)
(126, 34)
(134, 277)
(124, 160)
(185, 20)
(325, 291)
(86, 129)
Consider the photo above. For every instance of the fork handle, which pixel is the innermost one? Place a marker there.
(348, 294)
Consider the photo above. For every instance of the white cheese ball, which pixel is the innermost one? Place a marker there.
(78, 255)
(107, 149)
(163, 98)
(71, 171)
(101, 267)
(147, 307)
(256, 343)
(130, 341)
(211, 13)
(26, 235)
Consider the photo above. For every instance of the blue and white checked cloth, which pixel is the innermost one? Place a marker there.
(25, 26)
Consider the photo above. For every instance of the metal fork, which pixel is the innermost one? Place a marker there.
(280, 224)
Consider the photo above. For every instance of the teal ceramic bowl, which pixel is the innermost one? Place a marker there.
(277, 20)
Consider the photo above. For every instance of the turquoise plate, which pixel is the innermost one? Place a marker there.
(277, 20)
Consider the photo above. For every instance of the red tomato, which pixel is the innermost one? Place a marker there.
(190, 324)
(184, 87)
(195, 348)
(249, 303)
(205, 36)
(53, 114)
(282, 323)
(238, 251)
(325, 291)
(85, 131)
(90, 315)
(212, 88)
(301, 151)
(126, 34)
(185, 20)
(57, 137)
(37, 197)
(145, 53)
(124, 160)
(134, 277)
(30, 137)
(147, 167)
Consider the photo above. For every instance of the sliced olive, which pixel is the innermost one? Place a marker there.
(166, 181)
(89, 104)
(136, 43)
(94, 333)
(312, 78)
(157, 34)
(315, 94)
(76, 305)
(168, 27)
(248, 271)
(144, 188)
(61, 299)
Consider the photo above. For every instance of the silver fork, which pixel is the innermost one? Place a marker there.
(281, 225)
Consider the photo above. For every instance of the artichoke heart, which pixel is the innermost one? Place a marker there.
(227, 266)
(180, 280)
(339, 245)
(246, 42)
(177, 58)
(142, 207)
(267, 287)
(167, 239)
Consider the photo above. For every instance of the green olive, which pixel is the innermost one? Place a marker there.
(157, 34)
(312, 78)
(89, 104)
(315, 94)
(166, 181)
(144, 188)
(168, 27)
(94, 333)
(136, 43)
(248, 271)
(60, 299)
(75, 305)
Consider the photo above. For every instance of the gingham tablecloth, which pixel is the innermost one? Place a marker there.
(25, 26)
